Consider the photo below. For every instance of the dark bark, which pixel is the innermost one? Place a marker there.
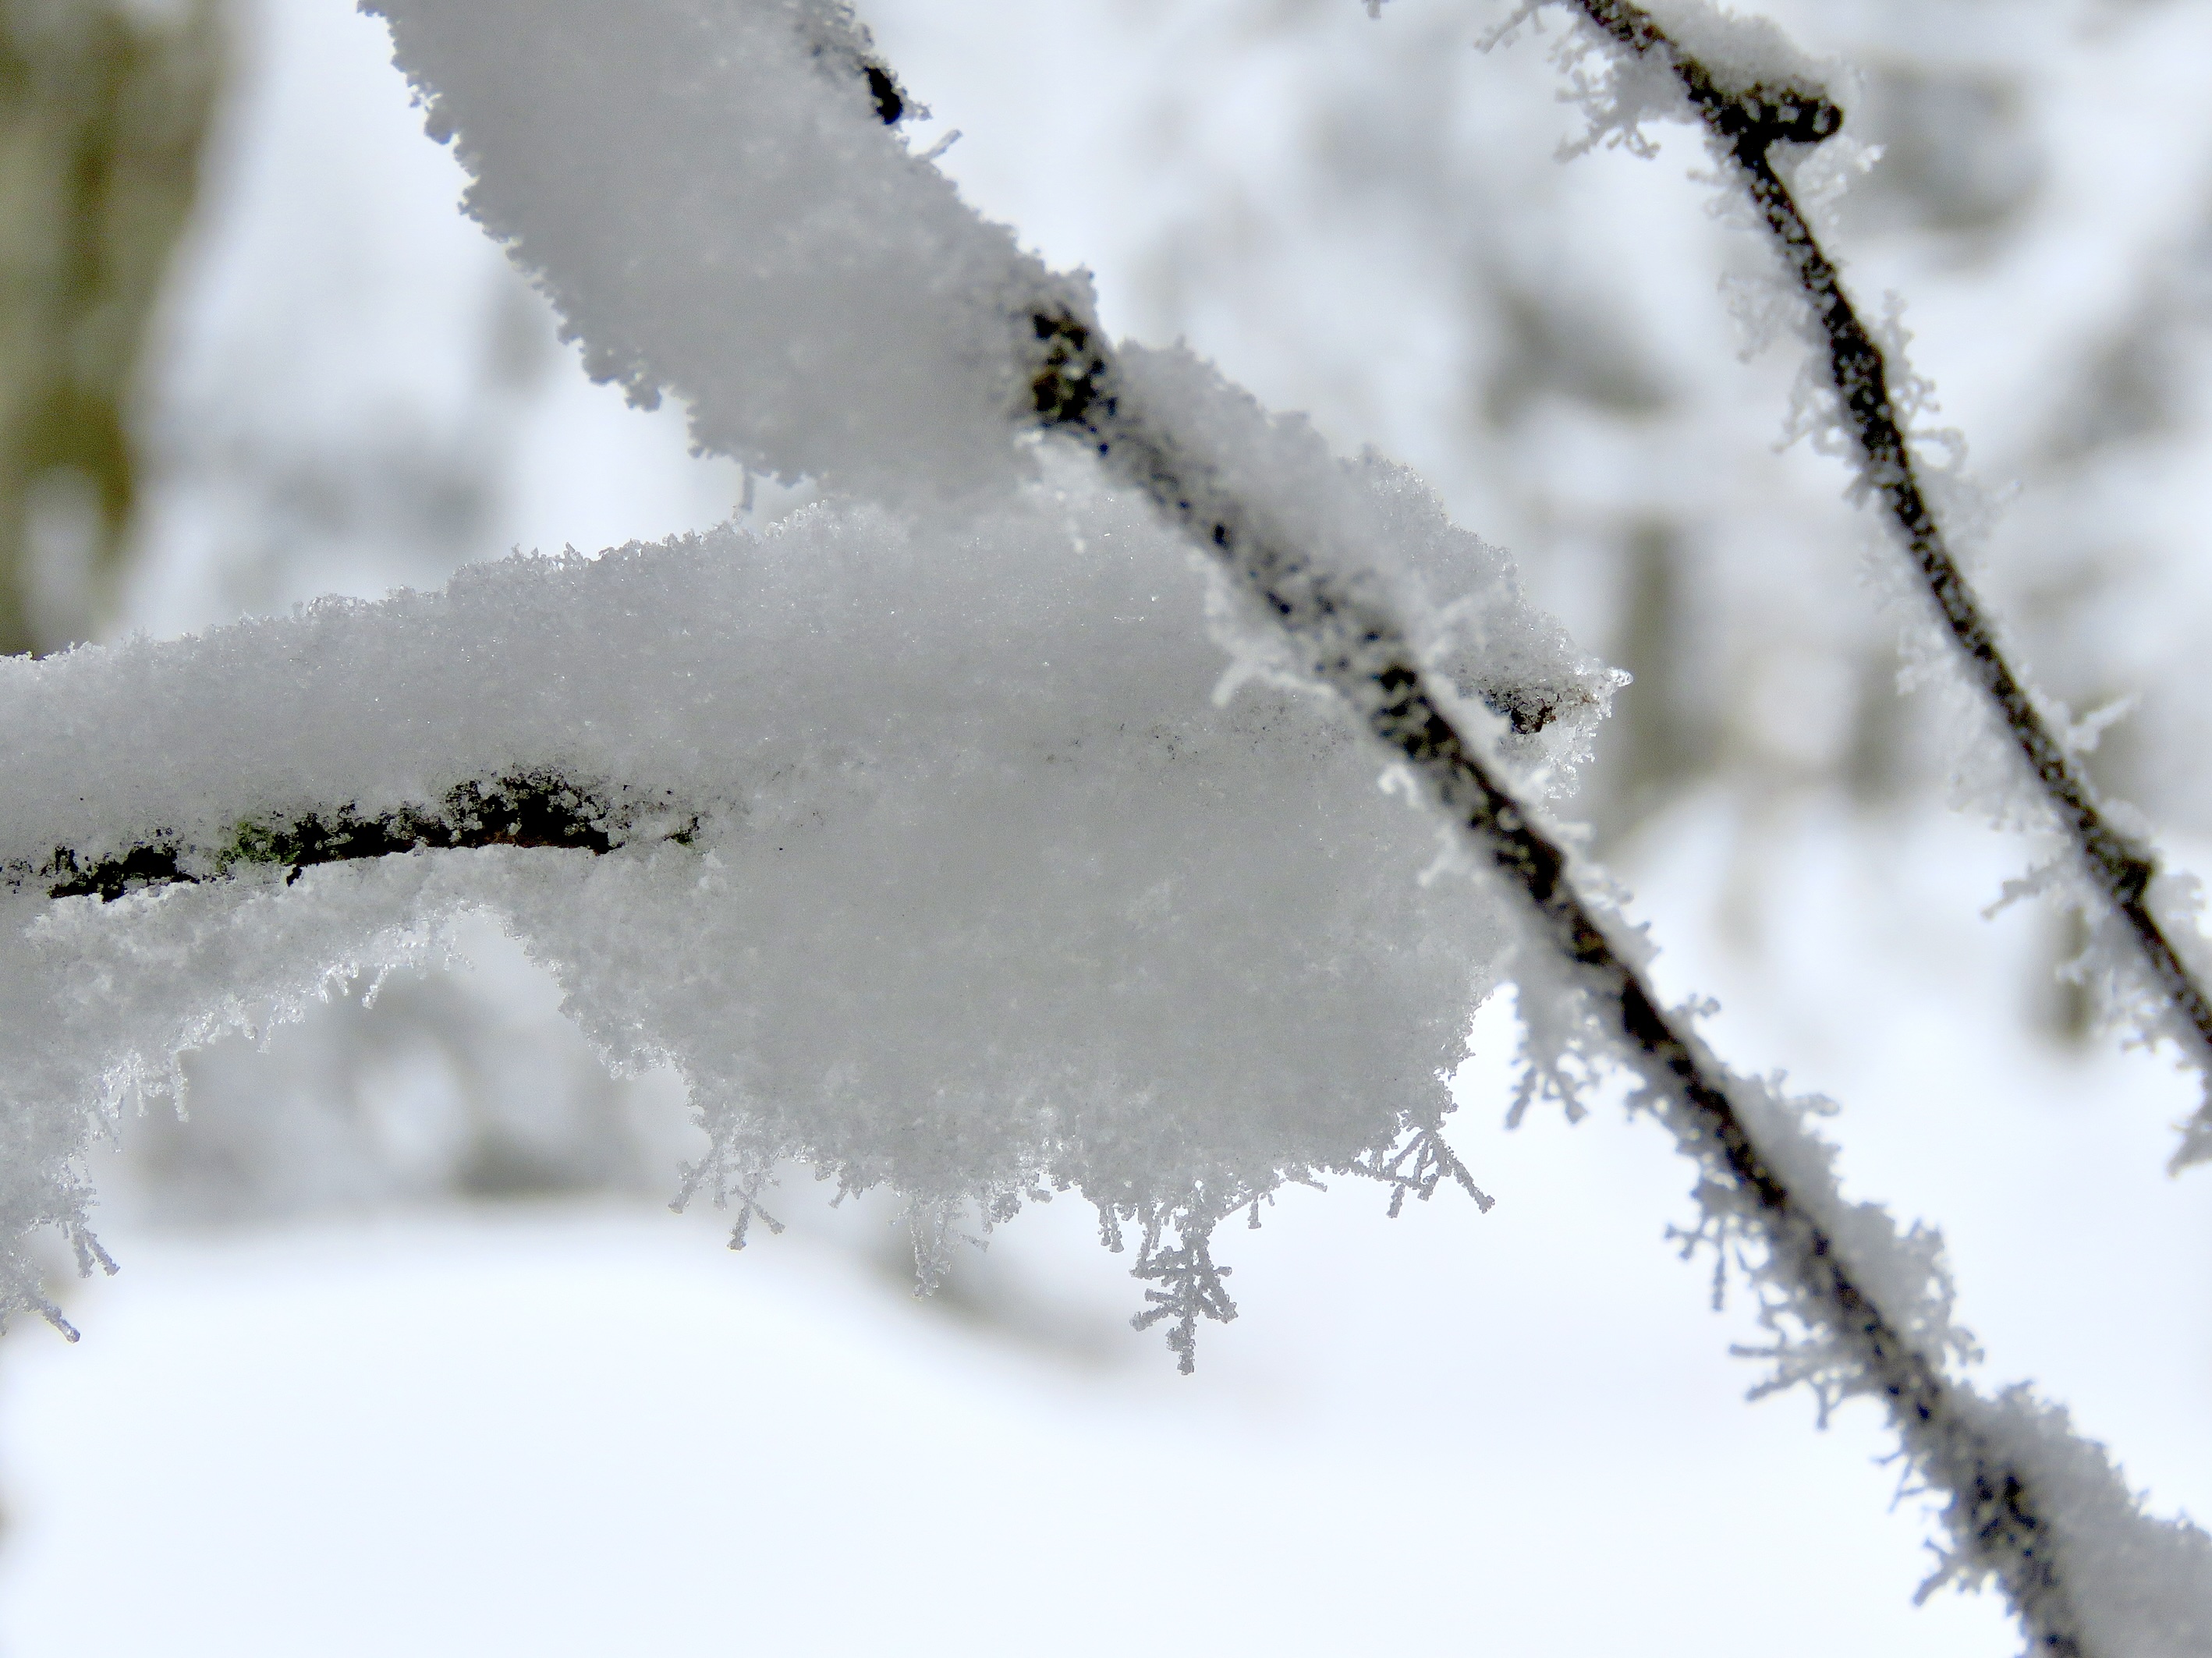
(1994, 1517)
(521, 809)
(1746, 124)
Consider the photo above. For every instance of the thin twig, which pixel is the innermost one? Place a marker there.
(1995, 1518)
(1746, 125)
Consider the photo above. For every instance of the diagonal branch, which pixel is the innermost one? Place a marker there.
(1746, 124)
(1997, 1515)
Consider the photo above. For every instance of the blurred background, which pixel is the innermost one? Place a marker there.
(407, 1355)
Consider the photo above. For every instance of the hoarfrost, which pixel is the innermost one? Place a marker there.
(924, 849)
(1619, 94)
(2027, 1499)
(929, 859)
(724, 209)
(1763, 110)
(1376, 532)
(2142, 1585)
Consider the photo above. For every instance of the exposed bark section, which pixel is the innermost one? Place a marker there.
(521, 809)
(1994, 1518)
(1746, 124)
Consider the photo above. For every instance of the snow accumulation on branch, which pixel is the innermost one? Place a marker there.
(926, 854)
(1006, 825)
(1762, 104)
(1854, 1309)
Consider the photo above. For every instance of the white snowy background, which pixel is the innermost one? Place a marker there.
(346, 1397)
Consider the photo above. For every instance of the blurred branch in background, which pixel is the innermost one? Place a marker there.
(105, 109)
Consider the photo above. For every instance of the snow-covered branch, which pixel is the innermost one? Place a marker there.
(927, 856)
(932, 843)
(1758, 102)
(1858, 1311)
